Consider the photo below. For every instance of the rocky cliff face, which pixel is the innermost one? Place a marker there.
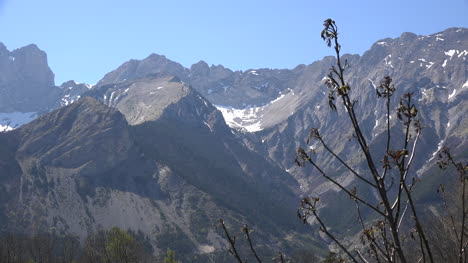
(24, 76)
(27, 87)
(218, 84)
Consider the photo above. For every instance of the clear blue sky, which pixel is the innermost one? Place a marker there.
(87, 38)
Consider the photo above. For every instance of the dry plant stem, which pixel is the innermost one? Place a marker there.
(324, 230)
(378, 180)
(402, 215)
(387, 148)
(361, 256)
(345, 164)
(361, 222)
(388, 247)
(408, 192)
(464, 212)
(401, 166)
(422, 249)
(232, 242)
(371, 238)
(343, 188)
(386, 256)
(281, 258)
(247, 234)
(403, 186)
(376, 248)
(452, 219)
(418, 224)
(404, 174)
(462, 172)
(410, 161)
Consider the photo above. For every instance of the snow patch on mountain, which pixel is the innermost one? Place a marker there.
(465, 85)
(247, 119)
(243, 119)
(68, 99)
(451, 53)
(452, 94)
(382, 43)
(12, 120)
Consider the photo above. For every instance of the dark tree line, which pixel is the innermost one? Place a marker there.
(105, 246)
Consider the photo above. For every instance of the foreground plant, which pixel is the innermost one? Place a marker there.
(383, 236)
(393, 230)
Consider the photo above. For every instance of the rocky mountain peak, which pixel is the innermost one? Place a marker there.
(3, 50)
(67, 137)
(152, 65)
(407, 36)
(31, 49)
(24, 77)
(200, 68)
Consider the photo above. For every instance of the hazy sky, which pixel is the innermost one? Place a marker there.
(87, 38)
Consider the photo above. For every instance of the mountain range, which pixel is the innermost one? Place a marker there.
(165, 150)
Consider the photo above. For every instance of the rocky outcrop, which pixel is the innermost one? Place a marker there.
(25, 77)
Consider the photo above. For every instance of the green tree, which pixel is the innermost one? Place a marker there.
(170, 256)
(122, 247)
(113, 246)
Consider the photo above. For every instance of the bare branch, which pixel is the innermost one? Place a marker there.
(246, 230)
(309, 206)
(303, 156)
(318, 137)
(232, 242)
(361, 256)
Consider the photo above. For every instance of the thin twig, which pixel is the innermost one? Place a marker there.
(462, 172)
(361, 256)
(232, 242)
(345, 164)
(402, 215)
(247, 234)
(324, 229)
(343, 188)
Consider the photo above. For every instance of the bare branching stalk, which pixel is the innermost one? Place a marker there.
(309, 207)
(232, 242)
(302, 157)
(446, 159)
(247, 231)
(389, 246)
(384, 235)
(361, 256)
(441, 191)
(314, 133)
(337, 85)
(281, 258)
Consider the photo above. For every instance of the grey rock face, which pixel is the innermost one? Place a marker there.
(24, 77)
(218, 84)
